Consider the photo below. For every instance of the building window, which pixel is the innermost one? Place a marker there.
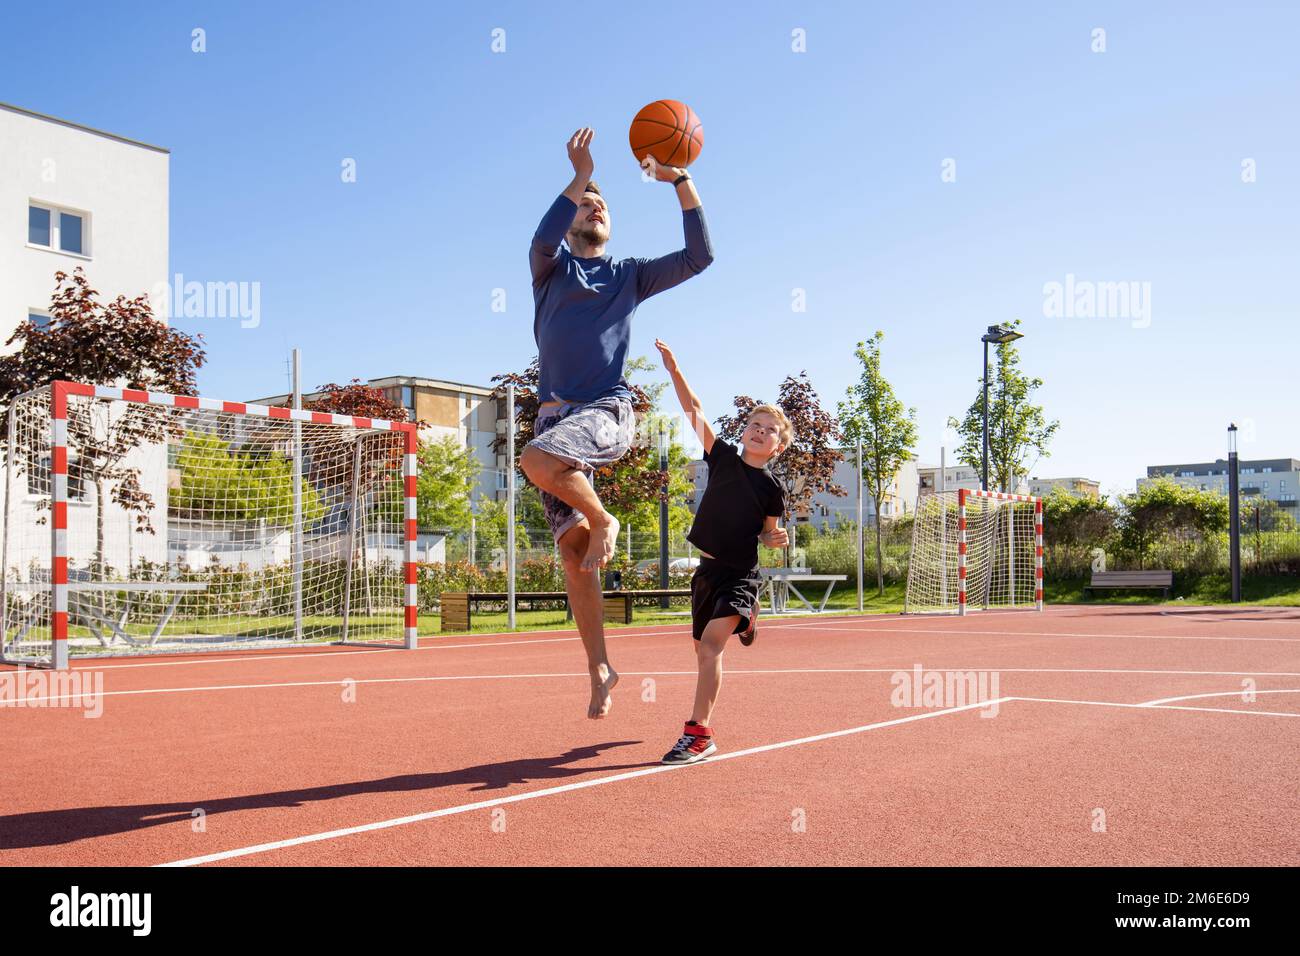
(408, 399)
(58, 229)
(38, 226)
(1267, 468)
(1281, 484)
(39, 320)
(1265, 483)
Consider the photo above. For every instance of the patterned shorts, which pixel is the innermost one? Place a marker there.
(587, 436)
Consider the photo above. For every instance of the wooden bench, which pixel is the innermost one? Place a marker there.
(1131, 580)
(458, 606)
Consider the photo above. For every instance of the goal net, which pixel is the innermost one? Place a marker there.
(975, 549)
(139, 523)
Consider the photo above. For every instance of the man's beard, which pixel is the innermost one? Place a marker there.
(589, 235)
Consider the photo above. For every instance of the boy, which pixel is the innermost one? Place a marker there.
(740, 508)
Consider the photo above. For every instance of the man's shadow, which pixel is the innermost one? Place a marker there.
(52, 827)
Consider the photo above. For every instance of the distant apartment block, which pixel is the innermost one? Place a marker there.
(955, 477)
(1273, 478)
(469, 413)
(1080, 487)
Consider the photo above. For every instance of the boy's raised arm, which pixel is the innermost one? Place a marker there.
(690, 402)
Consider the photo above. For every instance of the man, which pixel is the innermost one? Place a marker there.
(584, 301)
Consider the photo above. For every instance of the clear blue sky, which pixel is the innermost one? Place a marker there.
(821, 171)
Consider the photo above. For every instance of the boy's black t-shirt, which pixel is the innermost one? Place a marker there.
(736, 500)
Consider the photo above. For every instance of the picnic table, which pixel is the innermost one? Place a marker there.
(97, 621)
(779, 584)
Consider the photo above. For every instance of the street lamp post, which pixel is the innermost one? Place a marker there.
(1234, 516)
(1000, 335)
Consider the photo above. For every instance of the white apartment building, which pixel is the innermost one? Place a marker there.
(1082, 487)
(1277, 479)
(75, 196)
(955, 477)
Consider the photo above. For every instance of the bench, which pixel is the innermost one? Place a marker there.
(1131, 580)
(458, 606)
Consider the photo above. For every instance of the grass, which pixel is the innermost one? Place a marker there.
(1280, 590)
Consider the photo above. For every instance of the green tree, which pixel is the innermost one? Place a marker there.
(448, 474)
(1163, 508)
(872, 413)
(807, 467)
(1018, 429)
(237, 484)
(1073, 525)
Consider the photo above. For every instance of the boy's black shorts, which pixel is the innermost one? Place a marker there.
(720, 590)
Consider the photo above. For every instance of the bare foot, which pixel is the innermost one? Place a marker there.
(603, 680)
(601, 542)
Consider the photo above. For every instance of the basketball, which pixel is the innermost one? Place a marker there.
(669, 131)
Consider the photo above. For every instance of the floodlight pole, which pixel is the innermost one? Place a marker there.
(510, 506)
(1234, 516)
(984, 474)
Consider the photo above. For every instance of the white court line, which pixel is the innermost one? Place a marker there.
(1229, 693)
(908, 669)
(952, 632)
(615, 778)
(326, 651)
(563, 788)
(1199, 710)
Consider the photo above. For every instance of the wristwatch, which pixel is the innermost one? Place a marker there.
(681, 179)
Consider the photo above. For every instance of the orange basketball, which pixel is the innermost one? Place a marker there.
(669, 131)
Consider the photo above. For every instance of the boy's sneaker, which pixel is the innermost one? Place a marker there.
(749, 633)
(696, 743)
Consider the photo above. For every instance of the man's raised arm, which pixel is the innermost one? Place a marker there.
(656, 275)
(545, 249)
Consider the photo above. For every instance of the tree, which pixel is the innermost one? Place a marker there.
(119, 344)
(807, 467)
(873, 414)
(239, 485)
(448, 473)
(1074, 525)
(333, 462)
(623, 485)
(1017, 428)
(1162, 508)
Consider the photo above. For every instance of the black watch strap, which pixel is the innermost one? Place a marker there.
(681, 179)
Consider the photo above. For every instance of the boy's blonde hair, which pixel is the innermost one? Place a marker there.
(785, 431)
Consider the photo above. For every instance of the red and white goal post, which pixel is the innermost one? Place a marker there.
(975, 549)
(138, 522)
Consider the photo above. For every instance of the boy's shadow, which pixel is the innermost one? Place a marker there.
(53, 827)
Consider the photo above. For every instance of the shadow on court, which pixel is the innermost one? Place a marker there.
(53, 827)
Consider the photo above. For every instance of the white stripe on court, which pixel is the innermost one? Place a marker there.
(1229, 693)
(908, 669)
(955, 632)
(563, 788)
(87, 663)
(343, 681)
(1199, 710)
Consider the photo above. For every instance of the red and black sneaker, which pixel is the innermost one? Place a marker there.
(696, 743)
(750, 632)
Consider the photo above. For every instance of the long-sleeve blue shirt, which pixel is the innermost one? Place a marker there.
(584, 306)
